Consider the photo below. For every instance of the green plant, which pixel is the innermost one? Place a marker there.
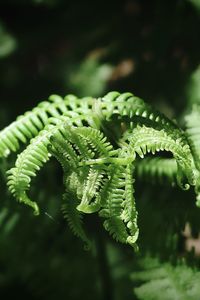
(172, 281)
(99, 144)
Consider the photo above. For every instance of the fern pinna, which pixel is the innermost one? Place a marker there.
(101, 145)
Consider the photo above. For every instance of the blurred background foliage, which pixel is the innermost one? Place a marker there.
(150, 48)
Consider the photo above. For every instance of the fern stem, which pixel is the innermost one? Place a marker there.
(108, 160)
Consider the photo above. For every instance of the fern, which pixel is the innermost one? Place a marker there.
(173, 282)
(74, 217)
(98, 142)
(193, 132)
(90, 190)
(31, 123)
(127, 104)
(129, 213)
(27, 164)
(145, 140)
(31, 160)
(112, 206)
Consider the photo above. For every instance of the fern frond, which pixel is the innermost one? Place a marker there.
(98, 174)
(129, 213)
(31, 123)
(112, 192)
(129, 111)
(172, 282)
(69, 150)
(28, 163)
(96, 140)
(145, 140)
(126, 104)
(113, 204)
(79, 144)
(72, 182)
(193, 132)
(64, 149)
(89, 202)
(74, 217)
(116, 228)
(36, 154)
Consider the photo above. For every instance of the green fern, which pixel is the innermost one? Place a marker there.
(98, 142)
(31, 160)
(145, 140)
(74, 218)
(193, 132)
(112, 198)
(155, 280)
(31, 123)
(127, 104)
